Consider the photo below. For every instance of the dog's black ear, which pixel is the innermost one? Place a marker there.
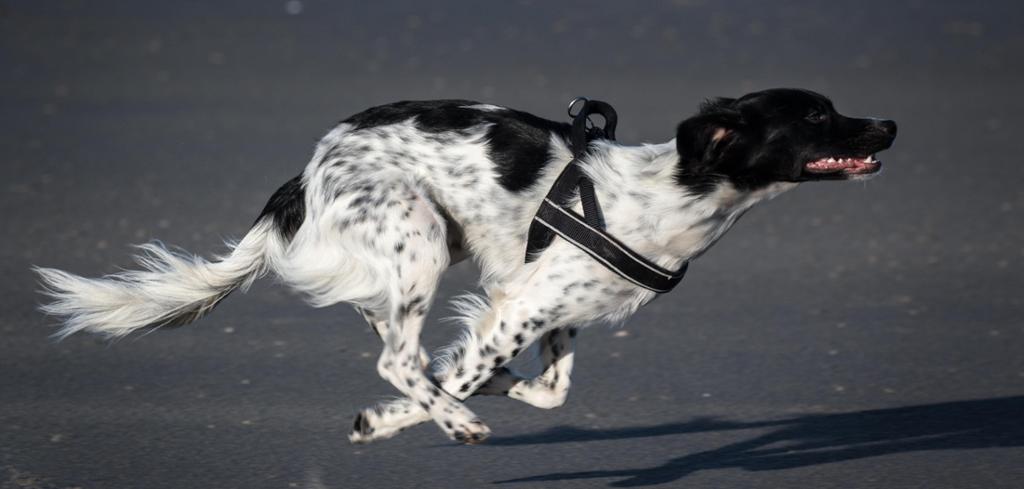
(703, 137)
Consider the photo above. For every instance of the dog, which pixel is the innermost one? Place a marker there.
(396, 194)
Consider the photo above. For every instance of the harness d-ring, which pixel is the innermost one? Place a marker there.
(573, 103)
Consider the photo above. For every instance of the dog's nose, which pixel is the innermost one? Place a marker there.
(888, 127)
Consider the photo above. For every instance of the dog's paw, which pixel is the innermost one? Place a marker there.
(470, 433)
(385, 420)
(540, 393)
(370, 426)
(362, 428)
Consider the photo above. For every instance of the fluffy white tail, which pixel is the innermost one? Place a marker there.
(175, 287)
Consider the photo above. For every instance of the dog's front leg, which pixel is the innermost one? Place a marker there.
(547, 390)
(499, 334)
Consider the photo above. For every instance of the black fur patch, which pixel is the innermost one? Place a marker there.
(519, 142)
(394, 113)
(287, 207)
(520, 147)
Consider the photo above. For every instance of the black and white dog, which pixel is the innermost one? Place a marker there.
(396, 194)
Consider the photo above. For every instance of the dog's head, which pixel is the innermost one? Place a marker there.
(778, 135)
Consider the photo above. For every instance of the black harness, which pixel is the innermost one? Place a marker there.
(587, 232)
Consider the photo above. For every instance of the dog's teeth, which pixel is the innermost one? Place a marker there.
(831, 160)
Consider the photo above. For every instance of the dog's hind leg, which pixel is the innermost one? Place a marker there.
(412, 235)
(379, 327)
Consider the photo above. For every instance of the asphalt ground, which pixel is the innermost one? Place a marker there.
(843, 335)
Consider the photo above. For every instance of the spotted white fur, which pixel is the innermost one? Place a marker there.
(387, 208)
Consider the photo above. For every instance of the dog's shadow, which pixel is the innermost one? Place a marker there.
(806, 440)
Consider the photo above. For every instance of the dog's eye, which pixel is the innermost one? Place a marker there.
(816, 117)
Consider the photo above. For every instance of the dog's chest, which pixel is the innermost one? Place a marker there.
(578, 289)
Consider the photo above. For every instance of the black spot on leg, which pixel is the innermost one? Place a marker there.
(515, 352)
(416, 304)
(537, 323)
(410, 382)
(425, 406)
(400, 246)
(499, 361)
(519, 339)
(362, 425)
(464, 387)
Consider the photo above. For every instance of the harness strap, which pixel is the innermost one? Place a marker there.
(555, 218)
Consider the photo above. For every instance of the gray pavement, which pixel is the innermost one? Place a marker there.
(844, 335)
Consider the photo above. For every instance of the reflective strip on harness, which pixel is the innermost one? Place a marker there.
(607, 250)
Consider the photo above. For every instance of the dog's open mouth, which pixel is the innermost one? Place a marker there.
(848, 166)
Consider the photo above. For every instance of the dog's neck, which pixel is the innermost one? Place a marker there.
(647, 209)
